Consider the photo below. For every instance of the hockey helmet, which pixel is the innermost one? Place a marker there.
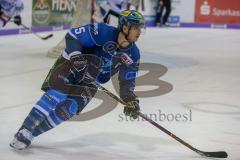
(130, 18)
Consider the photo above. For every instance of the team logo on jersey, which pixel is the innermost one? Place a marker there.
(126, 59)
(110, 47)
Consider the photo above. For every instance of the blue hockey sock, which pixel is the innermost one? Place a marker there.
(34, 118)
(63, 111)
(43, 127)
(42, 109)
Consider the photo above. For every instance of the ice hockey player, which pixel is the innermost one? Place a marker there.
(10, 9)
(93, 54)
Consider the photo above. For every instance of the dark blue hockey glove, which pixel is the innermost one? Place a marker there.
(78, 69)
(132, 107)
(17, 20)
(78, 62)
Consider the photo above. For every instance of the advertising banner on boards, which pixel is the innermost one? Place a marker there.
(52, 12)
(217, 11)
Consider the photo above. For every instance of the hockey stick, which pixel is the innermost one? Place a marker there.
(143, 5)
(217, 154)
(43, 38)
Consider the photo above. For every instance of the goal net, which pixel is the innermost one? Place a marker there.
(82, 15)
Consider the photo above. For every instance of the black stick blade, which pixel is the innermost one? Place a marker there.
(49, 36)
(219, 154)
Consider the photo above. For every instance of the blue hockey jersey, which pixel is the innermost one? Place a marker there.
(100, 40)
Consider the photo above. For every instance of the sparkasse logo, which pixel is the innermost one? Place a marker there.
(205, 8)
(217, 11)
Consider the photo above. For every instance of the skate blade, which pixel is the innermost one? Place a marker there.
(17, 145)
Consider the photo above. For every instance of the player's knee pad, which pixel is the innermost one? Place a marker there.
(66, 109)
(63, 111)
(42, 108)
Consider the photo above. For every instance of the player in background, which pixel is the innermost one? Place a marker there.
(105, 8)
(93, 54)
(10, 9)
(161, 4)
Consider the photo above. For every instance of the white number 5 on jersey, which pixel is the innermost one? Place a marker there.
(79, 30)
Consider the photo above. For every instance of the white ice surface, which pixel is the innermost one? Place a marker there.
(203, 67)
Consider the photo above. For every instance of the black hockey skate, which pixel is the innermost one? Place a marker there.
(22, 139)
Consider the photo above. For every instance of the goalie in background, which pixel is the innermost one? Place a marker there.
(93, 54)
(10, 9)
